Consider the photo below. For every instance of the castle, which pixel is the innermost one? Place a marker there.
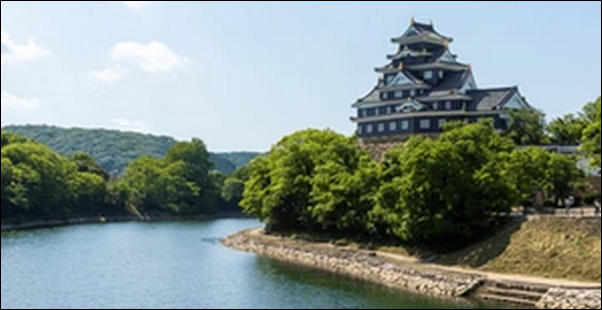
(424, 86)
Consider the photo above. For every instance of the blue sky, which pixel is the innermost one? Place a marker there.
(241, 75)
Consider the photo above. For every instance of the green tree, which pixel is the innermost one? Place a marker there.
(40, 180)
(590, 113)
(90, 193)
(561, 175)
(526, 128)
(9, 138)
(234, 188)
(179, 184)
(86, 163)
(447, 189)
(591, 136)
(311, 181)
(535, 170)
(527, 168)
(567, 130)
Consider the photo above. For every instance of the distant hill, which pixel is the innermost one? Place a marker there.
(114, 150)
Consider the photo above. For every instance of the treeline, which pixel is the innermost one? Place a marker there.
(432, 191)
(529, 128)
(39, 184)
(115, 150)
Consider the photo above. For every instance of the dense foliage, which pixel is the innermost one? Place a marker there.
(527, 128)
(591, 135)
(39, 184)
(115, 150)
(429, 191)
(567, 130)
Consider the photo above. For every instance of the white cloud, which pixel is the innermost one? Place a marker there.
(109, 75)
(130, 125)
(21, 52)
(11, 101)
(153, 58)
(137, 5)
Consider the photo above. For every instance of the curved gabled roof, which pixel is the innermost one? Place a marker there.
(490, 99)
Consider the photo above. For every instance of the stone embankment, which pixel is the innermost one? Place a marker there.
(412, 277)
(358, 265)
(570, 299)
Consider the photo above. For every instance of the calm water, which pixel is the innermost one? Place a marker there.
(170, 265)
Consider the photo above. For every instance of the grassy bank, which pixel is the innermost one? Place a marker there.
(556, 248)
(551, 248)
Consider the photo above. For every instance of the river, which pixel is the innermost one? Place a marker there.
(172, 265)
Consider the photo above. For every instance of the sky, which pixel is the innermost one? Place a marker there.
(241, 75)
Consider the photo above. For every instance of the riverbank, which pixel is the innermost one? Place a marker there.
(407, 274)
(116, 219)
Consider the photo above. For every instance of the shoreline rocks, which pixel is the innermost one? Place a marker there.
(410, 277)
(361, 266)
(570, 299)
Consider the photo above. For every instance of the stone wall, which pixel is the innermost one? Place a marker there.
(362, 266)
(570, 299)
(379, 269)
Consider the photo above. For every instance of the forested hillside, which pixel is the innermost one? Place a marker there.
(115, 150)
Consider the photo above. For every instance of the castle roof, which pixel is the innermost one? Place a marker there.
(491, 99)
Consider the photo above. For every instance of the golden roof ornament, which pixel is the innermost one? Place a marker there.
(412, 21)
(400, 67)
(432, 24)
(405, 48)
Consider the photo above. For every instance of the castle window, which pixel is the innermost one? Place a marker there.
(377, 112)
(436, 106)
(441, 74)
(393, 126)
(398, 94)
(359, 130)
(412, 93)
(369, 129)
(428, 75)
(385, 96)
(361, 113)
(425, 124)
(442, 122)
(448, 105)
(381, 127)
(405, 125)
(388, 110)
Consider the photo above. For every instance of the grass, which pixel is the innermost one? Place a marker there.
(557, 248)
(550, 248)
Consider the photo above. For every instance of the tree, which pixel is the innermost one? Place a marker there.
(179, 184)
(591, 136)
(527, 169)
(234, 188)
(446, 189)
(40, 180)
(90, 194)
(534, 170)
(9, 138)
(561, 174)
(567, 130)
(311, 181)
(86, 163)
(526, 128)
(590, 112)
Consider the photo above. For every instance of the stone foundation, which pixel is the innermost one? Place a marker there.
(570, 299)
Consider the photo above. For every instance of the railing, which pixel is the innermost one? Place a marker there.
(566, 213)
